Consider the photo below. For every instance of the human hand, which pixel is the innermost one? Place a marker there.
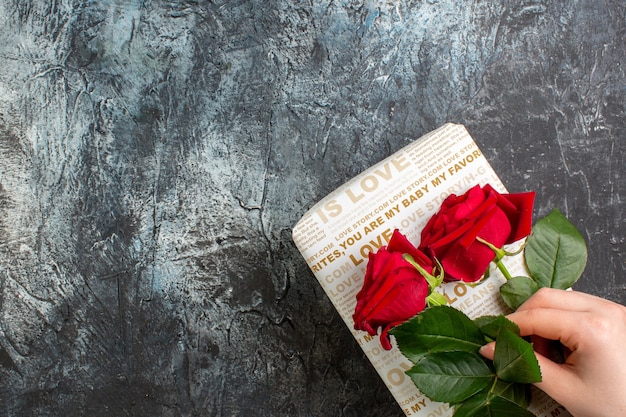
(591, 381)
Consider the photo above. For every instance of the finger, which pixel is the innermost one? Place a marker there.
(541, 346)
(558, 381)
(550, 324)
(568, 300)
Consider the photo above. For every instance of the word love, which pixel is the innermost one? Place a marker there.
(368, 184)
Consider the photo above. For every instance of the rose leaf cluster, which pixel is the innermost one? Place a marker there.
(443, 345)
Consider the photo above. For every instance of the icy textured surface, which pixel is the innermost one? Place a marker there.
(155, 155)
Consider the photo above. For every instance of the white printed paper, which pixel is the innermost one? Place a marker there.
(402, 192)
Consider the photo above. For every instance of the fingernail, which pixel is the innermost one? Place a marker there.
(487, 350)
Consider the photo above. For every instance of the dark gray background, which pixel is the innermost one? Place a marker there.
(155, 155)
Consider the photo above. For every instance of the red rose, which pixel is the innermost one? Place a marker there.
(393, 290)
(450, 235)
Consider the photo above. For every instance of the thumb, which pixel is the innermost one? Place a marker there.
(557, 380)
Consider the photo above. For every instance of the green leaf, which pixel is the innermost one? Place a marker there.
(437, 329)
(517, 290)
(491, 325)
(479, 403)
(514, 391)
(451, 376)
(555, 253)
(515, 360)
(497, 406)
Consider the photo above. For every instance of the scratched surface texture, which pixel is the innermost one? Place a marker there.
(155, 155)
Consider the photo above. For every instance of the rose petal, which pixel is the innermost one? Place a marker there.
(399, 243)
